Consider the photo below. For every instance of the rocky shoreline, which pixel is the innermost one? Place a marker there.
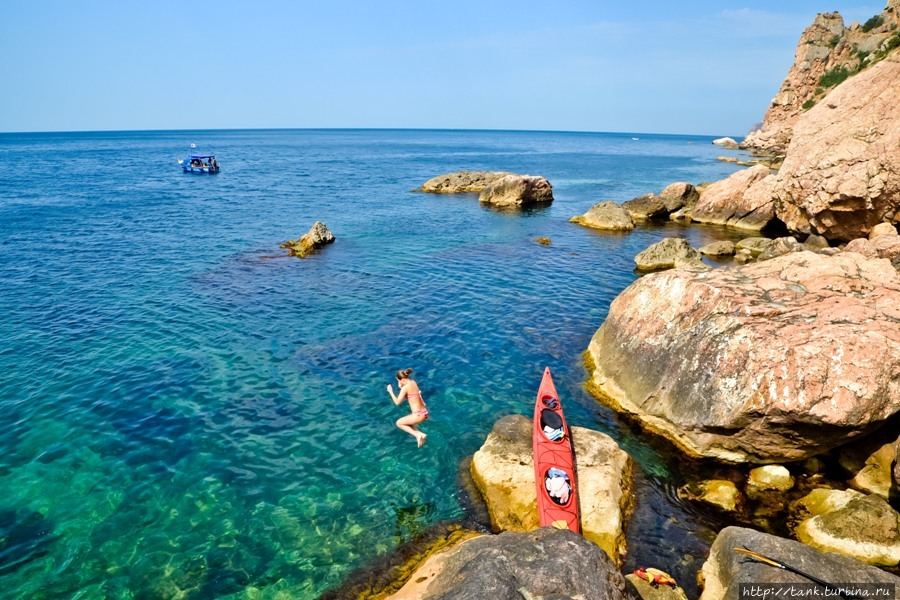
(783, 366)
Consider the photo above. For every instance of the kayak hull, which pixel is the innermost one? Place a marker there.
(558, 505)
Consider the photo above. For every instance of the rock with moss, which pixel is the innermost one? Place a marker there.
(646, 207)
(317, 237)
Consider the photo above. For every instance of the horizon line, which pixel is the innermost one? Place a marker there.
(443, 129)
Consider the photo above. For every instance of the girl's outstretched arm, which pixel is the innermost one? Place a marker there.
(399, 397)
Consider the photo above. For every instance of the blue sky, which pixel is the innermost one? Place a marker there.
(583, 65)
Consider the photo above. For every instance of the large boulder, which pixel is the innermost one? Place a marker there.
(503, 471)
(726, 572)
(547, 563)
(841, 173)
(516, 191)
(774, 361)
(745, 200)
(462, 181)
(317, 237)
(668, 254)
(606, 215)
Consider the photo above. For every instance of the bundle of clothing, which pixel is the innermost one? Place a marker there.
(557, 484)
(553, 434)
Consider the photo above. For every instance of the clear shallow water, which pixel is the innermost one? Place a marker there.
(186, 412)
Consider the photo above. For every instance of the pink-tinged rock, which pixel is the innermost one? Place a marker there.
(767, 362)
(841, 174)
(745, 200)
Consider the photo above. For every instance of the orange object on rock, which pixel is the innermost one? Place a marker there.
(655, 576)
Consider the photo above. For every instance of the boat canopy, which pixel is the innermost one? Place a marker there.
(201, 156)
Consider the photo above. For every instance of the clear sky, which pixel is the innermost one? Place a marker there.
(646, 66)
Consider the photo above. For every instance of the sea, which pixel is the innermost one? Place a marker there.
(188, 412)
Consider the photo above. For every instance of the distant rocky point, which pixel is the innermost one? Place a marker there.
(495, 188)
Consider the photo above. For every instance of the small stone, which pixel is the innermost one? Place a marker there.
(770, 478)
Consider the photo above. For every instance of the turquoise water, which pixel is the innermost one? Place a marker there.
(188, 413)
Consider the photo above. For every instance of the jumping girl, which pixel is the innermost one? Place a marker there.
(409, 389)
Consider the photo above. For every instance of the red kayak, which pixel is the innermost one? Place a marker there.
(554, 461)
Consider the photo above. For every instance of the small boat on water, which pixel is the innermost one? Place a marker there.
(554, 461)
(199, 162)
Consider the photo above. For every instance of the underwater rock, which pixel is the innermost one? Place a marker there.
(721, 494)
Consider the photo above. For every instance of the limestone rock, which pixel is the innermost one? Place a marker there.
(462, 181)
(317, 237)
(503, 471)
(725, 570)
(606, 215)
(668, 254)
(774, 361)
(726, 142)
(517, 191)
(723, 248)
(865, 528)
(746, 200)
(547, 563)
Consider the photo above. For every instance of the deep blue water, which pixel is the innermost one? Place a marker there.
(187, 412)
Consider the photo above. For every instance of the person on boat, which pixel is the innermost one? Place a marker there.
(409, 390)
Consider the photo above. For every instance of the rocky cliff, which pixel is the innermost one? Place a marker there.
(828, 53)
